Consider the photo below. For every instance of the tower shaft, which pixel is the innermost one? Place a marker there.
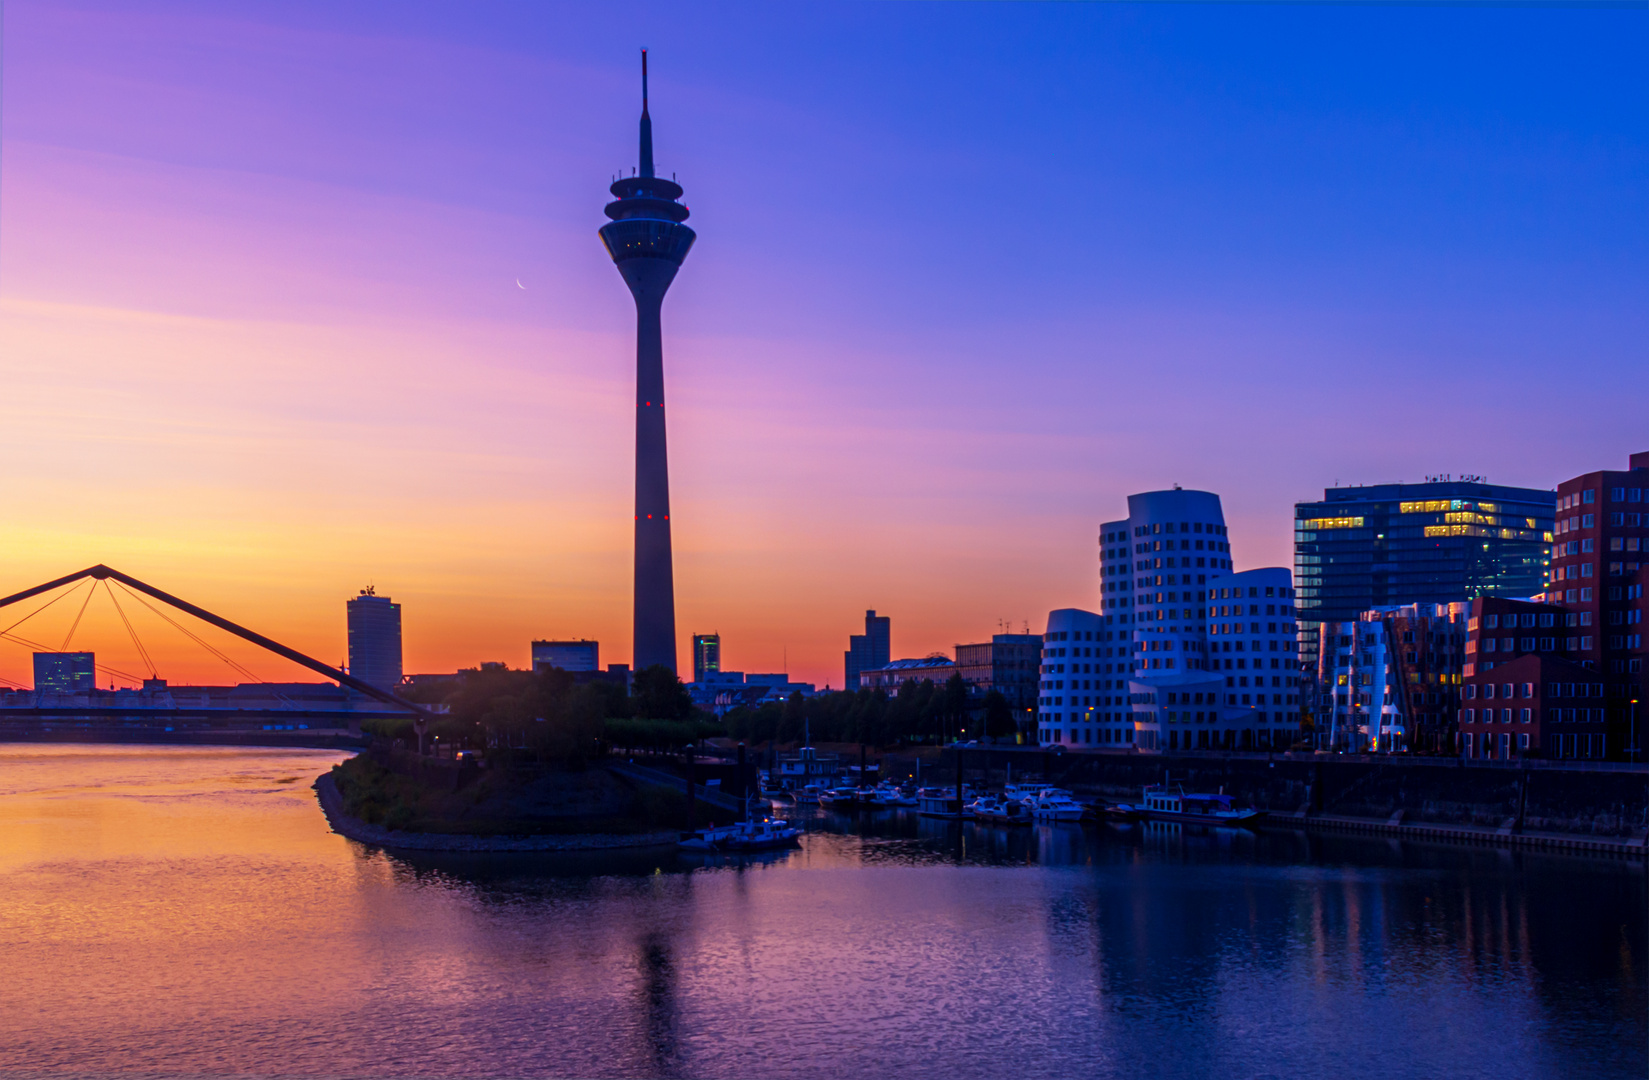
(648, 242)
(655, 592)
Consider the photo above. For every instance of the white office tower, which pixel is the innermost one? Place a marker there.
(1178, 662)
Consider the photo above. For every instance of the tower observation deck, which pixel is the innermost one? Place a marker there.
(648, 241)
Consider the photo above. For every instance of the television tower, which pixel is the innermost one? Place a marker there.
(648, 241)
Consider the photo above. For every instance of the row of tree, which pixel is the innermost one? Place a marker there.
(919, 712)
(546, 714)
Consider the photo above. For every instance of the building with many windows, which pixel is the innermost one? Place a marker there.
(1440, 542)
(1599, 566)
(65, 672)
(1535, 704)
(574, 656)
(1177, 627)
(375, 639)
(1007, 663)
(1389, 680)
(706, 655)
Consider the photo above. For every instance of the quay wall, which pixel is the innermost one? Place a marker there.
(1543, 797)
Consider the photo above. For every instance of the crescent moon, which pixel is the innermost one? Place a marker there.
(518, 284)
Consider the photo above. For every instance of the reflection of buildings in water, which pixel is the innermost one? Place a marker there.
(658, 1000)
(1060, 844)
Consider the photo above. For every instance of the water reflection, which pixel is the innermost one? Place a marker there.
(202, 918)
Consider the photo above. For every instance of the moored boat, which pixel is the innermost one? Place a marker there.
(1055, 805)
(992, 810)
(940, 802)
(1164, 803)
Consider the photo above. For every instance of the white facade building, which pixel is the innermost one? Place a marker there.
(1186, 653)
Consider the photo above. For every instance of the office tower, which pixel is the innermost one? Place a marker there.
(1440, 542)
(1598, 569)
(580, 655)
(648, 242)
(65, 672)
(870, 650)
(706, 655)
(375, 639)
(1177, 627)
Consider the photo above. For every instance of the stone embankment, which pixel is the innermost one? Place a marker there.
(344, 824)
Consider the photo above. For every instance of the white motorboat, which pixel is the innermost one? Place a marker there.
(1056, 805)
(767, 834)
(997, 811)
(808, 795)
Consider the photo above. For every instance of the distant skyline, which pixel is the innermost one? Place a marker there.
(298, 297)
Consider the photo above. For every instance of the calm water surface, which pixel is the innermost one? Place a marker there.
(174, 910)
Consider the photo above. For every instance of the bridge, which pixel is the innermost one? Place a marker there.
(129, 710)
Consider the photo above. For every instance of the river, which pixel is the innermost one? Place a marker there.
(187, 911)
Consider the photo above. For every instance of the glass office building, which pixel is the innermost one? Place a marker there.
(1434, 543)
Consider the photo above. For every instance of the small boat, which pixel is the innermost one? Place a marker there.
(808, 794)
(992, 810)
(1055, 805)
(1028, 792)
(768, 834)
(940, 802)
(841, 798)
(1162, 803)
(709, 839)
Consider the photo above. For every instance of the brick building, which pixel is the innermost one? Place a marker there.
(1599, 554)
(1535, 705)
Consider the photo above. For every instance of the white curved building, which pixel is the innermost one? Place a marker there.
(1185, 653)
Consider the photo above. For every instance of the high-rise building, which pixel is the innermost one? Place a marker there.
(1440, 542)
(574, 656)
(648, 242)
(1599, 564)
(872, 649)
(65, 672)
(706, 655)
(1178, 627)
(375, 639)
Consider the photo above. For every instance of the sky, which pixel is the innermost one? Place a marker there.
(301, 297)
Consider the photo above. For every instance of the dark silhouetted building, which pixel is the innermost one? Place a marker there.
(574, 656)
(375, 640)
(1008, 664)
(648, 242)
(706, 655)
(872, 649)
(65, 672)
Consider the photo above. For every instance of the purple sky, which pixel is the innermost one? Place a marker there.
(967, 275)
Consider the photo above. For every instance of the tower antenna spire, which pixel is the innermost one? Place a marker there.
(646, 123)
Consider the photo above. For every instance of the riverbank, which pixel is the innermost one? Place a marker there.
(332, 805)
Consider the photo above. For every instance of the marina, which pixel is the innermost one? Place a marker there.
(1140, 943)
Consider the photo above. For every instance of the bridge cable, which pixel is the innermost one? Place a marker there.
(39, 609)
(241, 669)
(154, 673)
(76, 624)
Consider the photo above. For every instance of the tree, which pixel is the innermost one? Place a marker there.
(999, 718)
(659, 695)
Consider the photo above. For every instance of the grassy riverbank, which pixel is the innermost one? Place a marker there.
(503, 803)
